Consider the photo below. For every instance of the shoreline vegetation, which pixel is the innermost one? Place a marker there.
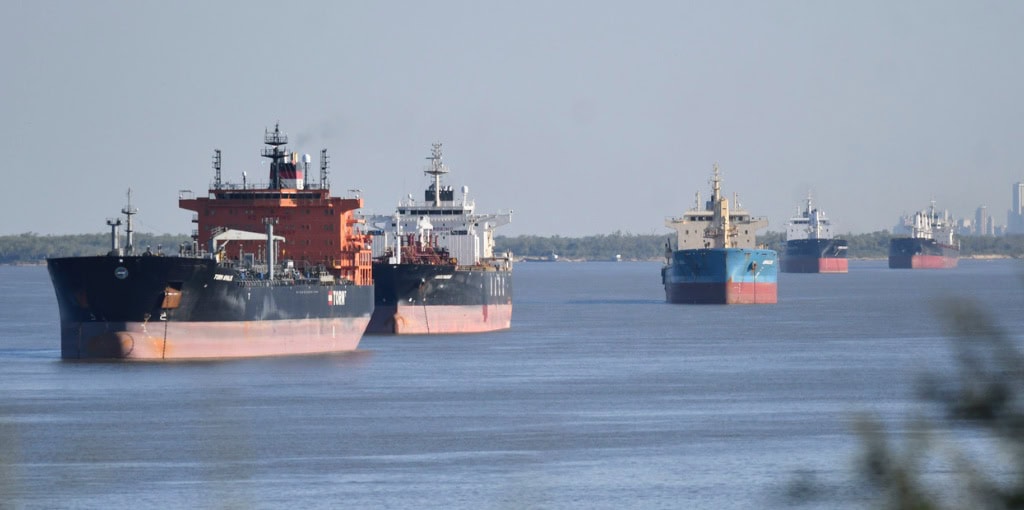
(32, 249)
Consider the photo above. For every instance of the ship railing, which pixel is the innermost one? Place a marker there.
(243, 185)
(685, 219)
(251, 280)
(310, 194)
(261, 185)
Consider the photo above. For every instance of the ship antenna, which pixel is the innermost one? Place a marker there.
(128, 211)
(275, 152)
(323, 169)
(436, 169)
(216, 167)
(716, 185)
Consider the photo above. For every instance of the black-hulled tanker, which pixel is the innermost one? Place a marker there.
(184, 307)
(434, 268)
(926, 240)
(810, 245)
(425, 298)
(234, 291)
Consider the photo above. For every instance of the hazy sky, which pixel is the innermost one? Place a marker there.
(583, 117)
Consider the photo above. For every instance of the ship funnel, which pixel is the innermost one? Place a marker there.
(292, 174)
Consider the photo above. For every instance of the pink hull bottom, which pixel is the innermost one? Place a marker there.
(732, 293)
(441, 319)
(817, 265)
(922, 262)
(199, 340)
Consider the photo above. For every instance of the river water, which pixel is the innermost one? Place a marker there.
(600, 396)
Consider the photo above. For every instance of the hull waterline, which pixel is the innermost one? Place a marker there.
(721, 276)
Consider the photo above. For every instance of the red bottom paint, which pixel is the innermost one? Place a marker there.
(199, 340)
(833, 265)
(440, 319)
(730, 293)
(922, 262)
(815, 265)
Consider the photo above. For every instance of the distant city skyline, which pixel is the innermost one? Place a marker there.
(581, 117)
(984, 221)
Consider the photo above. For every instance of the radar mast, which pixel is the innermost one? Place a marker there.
(436, 169)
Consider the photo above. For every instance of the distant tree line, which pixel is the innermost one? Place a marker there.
(652, 247)
(31, 248)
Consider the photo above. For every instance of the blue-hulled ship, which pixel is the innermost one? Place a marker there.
(715, 258)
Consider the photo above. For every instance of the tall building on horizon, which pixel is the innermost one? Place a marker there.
(982, 222)
(1015, 216)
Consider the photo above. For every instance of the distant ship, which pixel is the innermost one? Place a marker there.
(240, 288)
(927, 240)
(715, 259)
(810, 246)
(434, 265)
